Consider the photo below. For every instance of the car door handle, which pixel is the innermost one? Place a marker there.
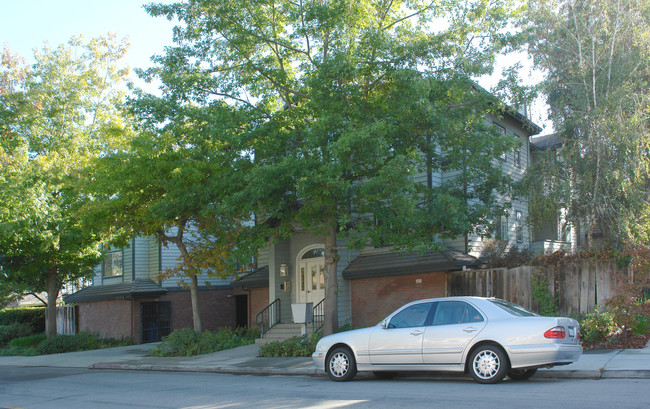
(417, 332)
(470, 329)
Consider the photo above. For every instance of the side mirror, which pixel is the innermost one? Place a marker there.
(384, 324)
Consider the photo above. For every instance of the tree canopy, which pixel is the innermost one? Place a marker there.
(56, 115)
(345, 101)
(170, 182)
(595, 54)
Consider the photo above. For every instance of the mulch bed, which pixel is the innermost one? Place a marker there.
(622, 341)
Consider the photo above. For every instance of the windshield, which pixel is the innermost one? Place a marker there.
(513, 309)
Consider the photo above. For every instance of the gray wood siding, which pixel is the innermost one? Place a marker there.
(509, 167)
(153, 263)
(128, 263)
(142, 251)
(263, 257)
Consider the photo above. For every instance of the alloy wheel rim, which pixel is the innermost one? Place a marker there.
(339, 364)
(486, 364)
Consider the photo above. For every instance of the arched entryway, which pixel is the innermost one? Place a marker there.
(310, 274)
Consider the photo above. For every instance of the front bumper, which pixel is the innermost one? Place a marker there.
(319, 359)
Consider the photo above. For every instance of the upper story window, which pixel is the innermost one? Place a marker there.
(517, 159)
(519, 226)
(517, 155)
(502, 130)
(501, 232)
(114, 263)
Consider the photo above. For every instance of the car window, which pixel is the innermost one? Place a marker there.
(456, 312)
(413, 316)
(513, 309)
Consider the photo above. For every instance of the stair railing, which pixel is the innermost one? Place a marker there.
(268, 317)
(318, 317)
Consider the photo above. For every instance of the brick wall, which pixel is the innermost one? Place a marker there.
(216, 307)
(374, 298)
(258, 300)
(110, 318)
(121, 318)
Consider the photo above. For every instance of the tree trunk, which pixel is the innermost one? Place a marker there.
(194, 288)
(194, 294)
(331, 309)
(52, 295)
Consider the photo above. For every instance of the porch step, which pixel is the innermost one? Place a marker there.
(282, 332)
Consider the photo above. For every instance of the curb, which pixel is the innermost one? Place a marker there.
(556, 374)
(211, 369)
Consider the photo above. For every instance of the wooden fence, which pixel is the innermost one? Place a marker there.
(65, 320)
(578, 286)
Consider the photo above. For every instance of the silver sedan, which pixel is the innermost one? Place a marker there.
(488, 338)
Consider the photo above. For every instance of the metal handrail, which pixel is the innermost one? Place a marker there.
(318, 317)
(268, 317)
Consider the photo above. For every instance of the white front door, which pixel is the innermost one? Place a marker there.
(311, 278)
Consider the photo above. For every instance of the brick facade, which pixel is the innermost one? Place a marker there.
(374, 298)
(110, 318)
(121, 318)
(258, 299)
(217, 309)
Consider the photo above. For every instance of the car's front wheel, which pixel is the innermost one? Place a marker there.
(341, 365)
(488, 364)
(521, 374)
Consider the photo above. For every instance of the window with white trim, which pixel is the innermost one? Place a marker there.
(501, 232)
(501, 130)
(114, 263)
(519, 226)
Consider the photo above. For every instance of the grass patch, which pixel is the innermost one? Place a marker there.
(187, 342)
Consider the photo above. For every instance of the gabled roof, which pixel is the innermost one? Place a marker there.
(134, 289)
(391, 264)
(544, 142)
(254, 279)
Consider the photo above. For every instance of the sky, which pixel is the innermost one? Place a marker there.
(26, 24)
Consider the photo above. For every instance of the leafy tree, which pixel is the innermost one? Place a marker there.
(170, 184)
(56, 115)
(347, 101)
(595, 54)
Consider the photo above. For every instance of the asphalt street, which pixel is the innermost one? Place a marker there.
(72, 388)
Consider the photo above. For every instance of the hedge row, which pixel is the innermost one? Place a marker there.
(34, 316)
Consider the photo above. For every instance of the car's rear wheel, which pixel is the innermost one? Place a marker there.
(521, 374)
(341, 365)
(488, 364)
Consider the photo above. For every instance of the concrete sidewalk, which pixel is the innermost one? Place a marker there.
(244, 360)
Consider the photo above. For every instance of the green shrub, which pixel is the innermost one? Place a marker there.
(597, 327)
(547, 302)
(187, 342)
(19, 351)
(82, 341)
(14, 330)
(34, 316)
(31, 341)
(295, 346)
(640, 325)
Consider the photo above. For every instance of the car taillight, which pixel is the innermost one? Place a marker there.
(555, 333)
